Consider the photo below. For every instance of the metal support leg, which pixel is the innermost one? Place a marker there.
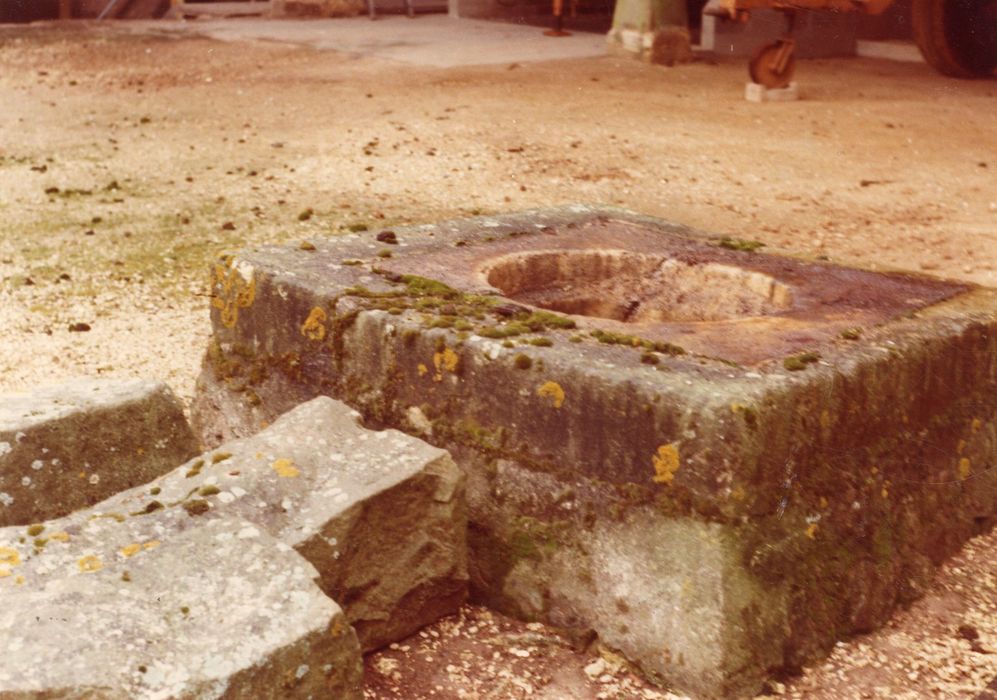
(558, 29)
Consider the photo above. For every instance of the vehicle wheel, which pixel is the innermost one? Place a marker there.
(773, 65)
(957, 37)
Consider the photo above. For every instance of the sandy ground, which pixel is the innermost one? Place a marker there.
(128, 161)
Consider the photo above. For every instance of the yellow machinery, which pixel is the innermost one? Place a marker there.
(956, 37)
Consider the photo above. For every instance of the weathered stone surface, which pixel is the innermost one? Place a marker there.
(786, 477)
(376, 517)
(141, 609)
(68, 446)
(381, 515)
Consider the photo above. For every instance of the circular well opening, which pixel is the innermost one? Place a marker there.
(635, 287)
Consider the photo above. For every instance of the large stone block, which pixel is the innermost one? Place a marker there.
(721, 460)
(144, 610)
(381, 515)
(70, 445)
(194, 576)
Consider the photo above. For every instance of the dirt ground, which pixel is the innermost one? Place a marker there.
(129, 160)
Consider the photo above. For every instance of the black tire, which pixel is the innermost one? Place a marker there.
(957, 37)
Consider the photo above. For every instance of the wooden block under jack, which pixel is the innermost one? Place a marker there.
(753, 92)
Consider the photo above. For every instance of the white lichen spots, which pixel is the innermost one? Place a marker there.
(25, 481)
(248, 533)
(37, 465)
(286, 503)
(492, 350)
(5, 448)
(238, 492)
(418, 420)
(94, 479)
(301, 671)
(226, 497)
(6, 499)
(19, 437)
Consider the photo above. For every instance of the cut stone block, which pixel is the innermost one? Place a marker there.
(720, 460)
(377, 518)
(381, 515)
(144, 610)
(70, 445)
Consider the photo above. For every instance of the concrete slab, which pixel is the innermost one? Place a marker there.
(426, 40)
(720, 460)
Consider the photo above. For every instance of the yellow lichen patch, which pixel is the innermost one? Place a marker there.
(823, 503)
(314, 326)
(59, 536)
(90, 564)
(151, 544)
(553, 392)
(975, 425)
(422, 369)
(964, 468)
(739, 494)
(9, 556)
(285, 468)
(666, 463)
(4, 573)
(446, 360)
(231, 292)
(131, 550)
(961, 447)
(811, 531)
(19, 580)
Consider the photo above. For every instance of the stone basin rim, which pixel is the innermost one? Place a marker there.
(633, 287)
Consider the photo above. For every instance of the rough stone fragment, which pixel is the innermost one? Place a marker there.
(380, 515)
(70, 445)
(143, 609)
